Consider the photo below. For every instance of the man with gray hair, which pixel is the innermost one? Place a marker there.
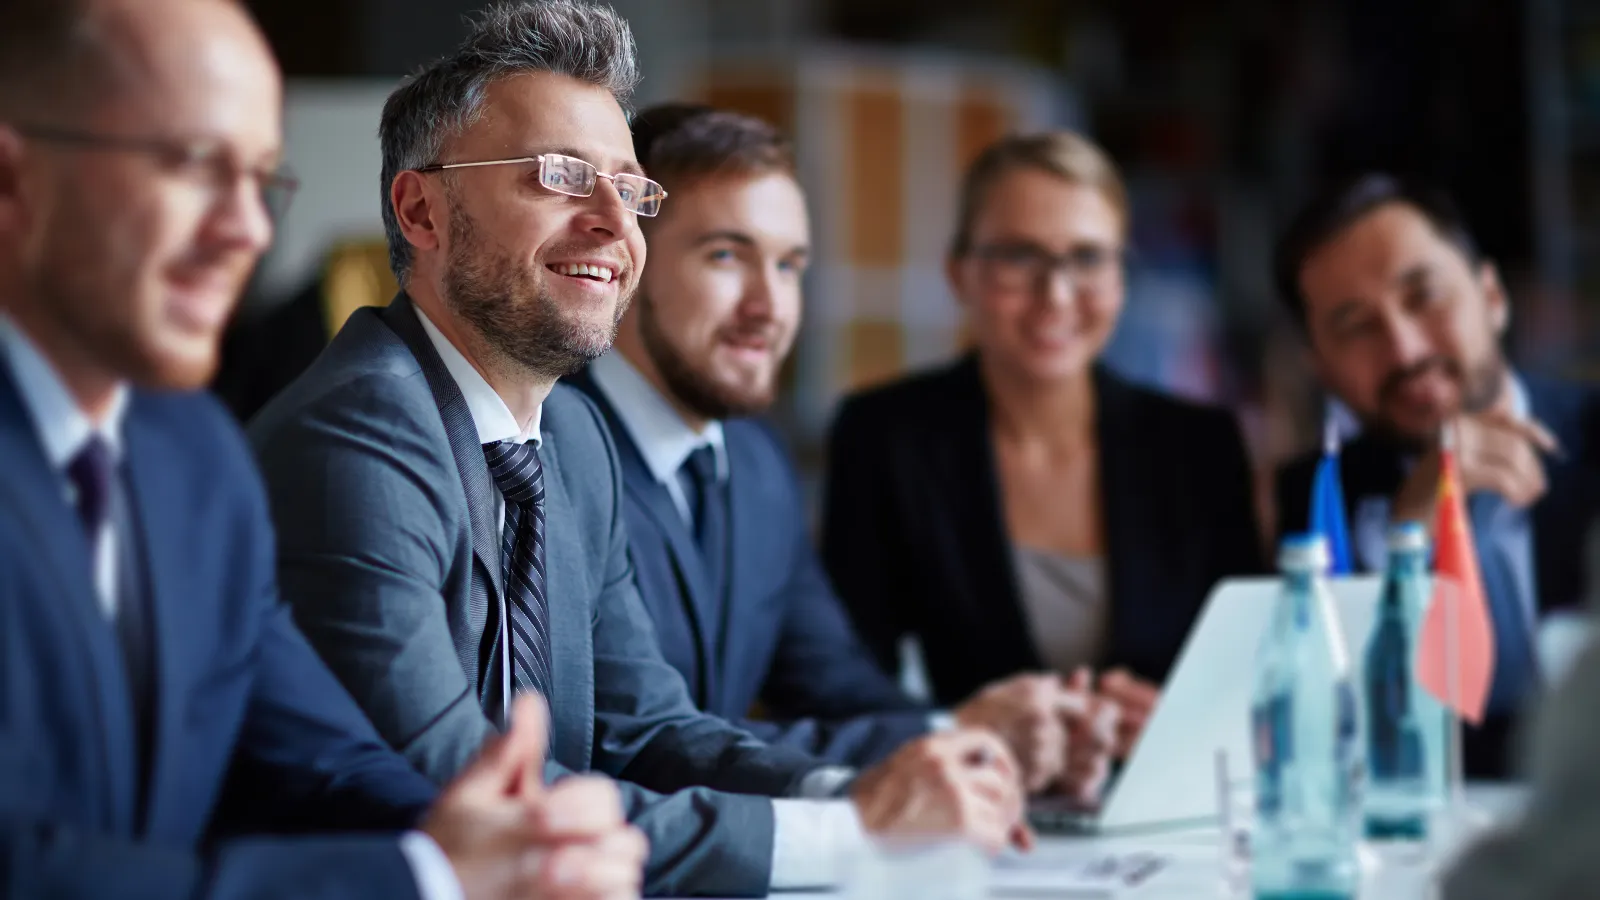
(451, 518)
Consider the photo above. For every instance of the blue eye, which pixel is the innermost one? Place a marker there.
(722, 255)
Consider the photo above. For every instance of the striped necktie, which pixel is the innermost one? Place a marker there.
(519, 475)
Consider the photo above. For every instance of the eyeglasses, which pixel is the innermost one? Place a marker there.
(1025, 266)
(577, 178)
(208, 163)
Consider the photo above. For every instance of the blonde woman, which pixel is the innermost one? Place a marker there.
(1024, 507)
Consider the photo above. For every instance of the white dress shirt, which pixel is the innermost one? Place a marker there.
(664, 439)
(495, 423)
(811, 835)
(64, 429)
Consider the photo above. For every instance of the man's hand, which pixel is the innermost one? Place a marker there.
(590, 850)
(959, 784)
(1135, 699)
(1023, 711)
(1495, 451)
(506, 836)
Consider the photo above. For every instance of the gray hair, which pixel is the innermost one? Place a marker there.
(581, 40)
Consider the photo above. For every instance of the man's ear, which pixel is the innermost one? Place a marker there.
(1494, 294)
(418, 209)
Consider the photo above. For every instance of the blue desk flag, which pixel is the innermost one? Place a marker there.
(1327, 503)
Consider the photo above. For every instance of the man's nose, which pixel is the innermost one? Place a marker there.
(1408, 341)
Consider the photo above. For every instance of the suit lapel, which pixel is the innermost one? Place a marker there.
(571, 633)
(160, 498)
(657, 504)
(1117, 440)
(476, 482)
(63, 547)
(748, 509)
(698, 602)
(968, 476)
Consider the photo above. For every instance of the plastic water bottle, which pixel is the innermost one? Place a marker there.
(1406, 727)
(1307, 741)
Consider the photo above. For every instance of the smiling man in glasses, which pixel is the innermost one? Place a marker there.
(451, 518)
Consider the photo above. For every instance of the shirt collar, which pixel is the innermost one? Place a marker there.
(61, 424)
(1520, 407)
(664, 439)
(490, 415)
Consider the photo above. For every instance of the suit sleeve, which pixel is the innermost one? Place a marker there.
(822, 671)
(329, 765)
(39, 858)
(306, 758)
(647, 729)
(701, 842)
(362, 559)
(859, 535)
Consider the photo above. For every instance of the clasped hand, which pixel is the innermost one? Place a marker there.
(507, 835)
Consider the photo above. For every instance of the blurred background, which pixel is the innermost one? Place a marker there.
(1223, 115)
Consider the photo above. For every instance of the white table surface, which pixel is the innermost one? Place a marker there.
(1194, 871)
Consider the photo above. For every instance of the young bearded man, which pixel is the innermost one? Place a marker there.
(716, 523)
(1404, 317)
(451, 518)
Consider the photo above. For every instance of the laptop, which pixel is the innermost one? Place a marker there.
(1170, 780)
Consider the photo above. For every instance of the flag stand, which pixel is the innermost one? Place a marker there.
(1460, 821)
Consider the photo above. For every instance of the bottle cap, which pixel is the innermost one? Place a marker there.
(1302, 552)
(1408, 536)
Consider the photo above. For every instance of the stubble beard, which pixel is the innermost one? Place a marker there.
(700, 392)
(1481, 388)
(508, 304)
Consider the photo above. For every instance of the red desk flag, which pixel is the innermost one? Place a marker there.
(1455, 655)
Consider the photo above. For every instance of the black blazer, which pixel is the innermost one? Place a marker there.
(915, 537)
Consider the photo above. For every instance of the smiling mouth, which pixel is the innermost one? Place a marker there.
(602, 274)
(748, 343)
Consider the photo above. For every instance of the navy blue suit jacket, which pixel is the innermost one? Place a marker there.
(784, 638)
(240, 699)
(1371, 467)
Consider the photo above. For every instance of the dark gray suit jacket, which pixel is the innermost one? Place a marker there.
(389, 554)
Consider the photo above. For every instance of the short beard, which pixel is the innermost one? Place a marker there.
(703, 395)
(519, 320)
(1481, 386)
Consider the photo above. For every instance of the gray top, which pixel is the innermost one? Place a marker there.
(1065, 605)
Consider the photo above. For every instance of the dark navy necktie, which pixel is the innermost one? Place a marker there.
(520, 476)
(91, 472)
(708, 509)
(102, 501)
(1516, 671)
